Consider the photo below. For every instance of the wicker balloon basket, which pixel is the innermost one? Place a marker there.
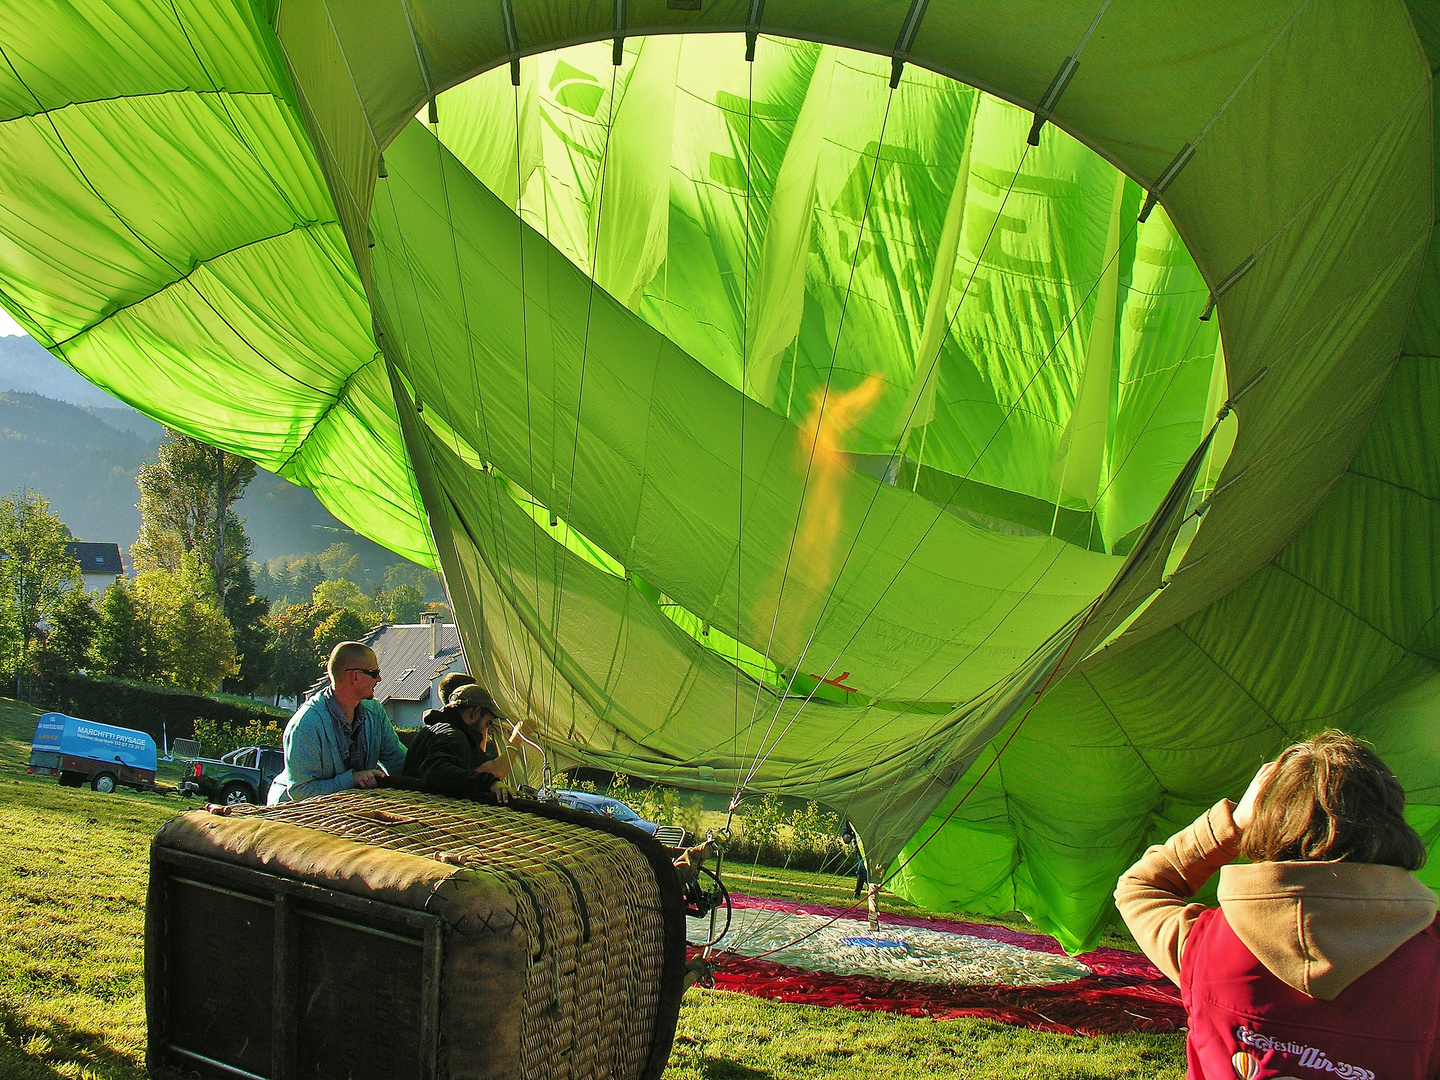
(394, 934)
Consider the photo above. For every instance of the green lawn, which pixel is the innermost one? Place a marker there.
(72, 888)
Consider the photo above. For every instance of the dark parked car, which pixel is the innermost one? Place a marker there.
(241, 776)
(605, 807)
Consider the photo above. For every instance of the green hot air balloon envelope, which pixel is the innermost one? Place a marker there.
(789, 423)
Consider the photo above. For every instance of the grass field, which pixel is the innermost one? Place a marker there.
(73, 868)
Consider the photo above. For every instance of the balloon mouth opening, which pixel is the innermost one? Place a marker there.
(938, 311)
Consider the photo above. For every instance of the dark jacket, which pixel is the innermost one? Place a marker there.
(451, 715)
(444, 755)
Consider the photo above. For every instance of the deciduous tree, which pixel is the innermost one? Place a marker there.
(74, 623)
(197, 649)
(340, 625)
(125, 643)
(339, 561)
(295, 665)
(187, 509)
(36, 569)
(402, 604)
(346, 594)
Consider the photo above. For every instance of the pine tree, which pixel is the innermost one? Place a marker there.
(246, 611)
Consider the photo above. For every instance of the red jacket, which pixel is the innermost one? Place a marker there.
(1307, 970)
(1245, 1024)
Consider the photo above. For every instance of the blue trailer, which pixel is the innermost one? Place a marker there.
(83, 751)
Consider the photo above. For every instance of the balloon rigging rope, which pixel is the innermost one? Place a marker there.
(955, 809)
(580, 396)
(744, 372)
(909, 707)
(529, 421)
(1059, 665)
(424, 322)
(763, 754)
(496, 511)
(809, 464)
(938, 515)
(740, 495)
(1130, 451)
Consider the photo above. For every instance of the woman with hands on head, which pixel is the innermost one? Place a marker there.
(1323, 956)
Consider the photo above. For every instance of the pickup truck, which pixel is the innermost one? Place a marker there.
(241, 776)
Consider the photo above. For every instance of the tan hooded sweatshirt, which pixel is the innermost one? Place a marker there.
(1317, 926)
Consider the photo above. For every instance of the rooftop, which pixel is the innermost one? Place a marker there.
(406, 666)
(96, 558)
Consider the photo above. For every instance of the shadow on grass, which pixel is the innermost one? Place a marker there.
(42, 1051)
(725, 1069)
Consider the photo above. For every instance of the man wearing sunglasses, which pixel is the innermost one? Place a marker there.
(340, 738)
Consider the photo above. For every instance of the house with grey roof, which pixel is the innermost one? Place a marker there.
(412, 659)
(100, 564)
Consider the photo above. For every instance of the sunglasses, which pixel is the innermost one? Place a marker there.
(374, 673)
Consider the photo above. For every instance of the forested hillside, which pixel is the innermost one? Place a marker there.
(85, 467)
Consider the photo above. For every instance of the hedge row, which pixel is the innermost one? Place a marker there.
(154, 710)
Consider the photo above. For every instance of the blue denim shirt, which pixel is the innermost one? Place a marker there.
(321, 757)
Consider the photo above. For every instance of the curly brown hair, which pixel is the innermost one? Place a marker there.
(1331, 797)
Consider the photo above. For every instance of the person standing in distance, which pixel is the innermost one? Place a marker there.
(336, 740)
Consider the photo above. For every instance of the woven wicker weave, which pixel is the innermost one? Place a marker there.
(560, 946)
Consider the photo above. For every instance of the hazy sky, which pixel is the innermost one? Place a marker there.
(8, 326)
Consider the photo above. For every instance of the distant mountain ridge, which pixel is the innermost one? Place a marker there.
(82, 448)
(124, 418)
(26, 366)
(85, 467)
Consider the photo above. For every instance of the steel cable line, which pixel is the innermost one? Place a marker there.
(563, 554)
(424, 323)
(824, 399)
(740, 493)
(497, 522)
(761, 755)
(425, 326)
(744, 370)
(535, 667)
(909, 707)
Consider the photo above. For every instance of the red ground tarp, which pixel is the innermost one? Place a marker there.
(1126, 993)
